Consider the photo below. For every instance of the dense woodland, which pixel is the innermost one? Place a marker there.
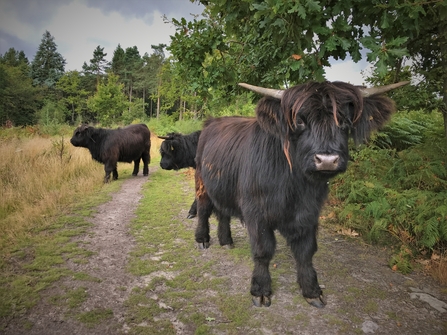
(395, 189)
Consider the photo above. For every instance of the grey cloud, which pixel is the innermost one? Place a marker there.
(145, 9)
(7, 41)
(34, 12)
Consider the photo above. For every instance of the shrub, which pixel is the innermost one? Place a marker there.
(398, 196)
(167, 124)
(407, 129)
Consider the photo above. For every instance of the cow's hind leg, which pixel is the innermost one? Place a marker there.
(304, 246)
(263, 244)
(204, 211)
(136, 167)
(224, 230)
(146, 161)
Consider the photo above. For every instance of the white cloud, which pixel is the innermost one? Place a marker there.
(347, 71)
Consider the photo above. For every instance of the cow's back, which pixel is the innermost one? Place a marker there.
(234, 158)
(128, 143)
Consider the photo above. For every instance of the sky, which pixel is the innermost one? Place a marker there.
(79, 26)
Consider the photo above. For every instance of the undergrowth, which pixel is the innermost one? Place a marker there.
(43, 179)
(395, 189)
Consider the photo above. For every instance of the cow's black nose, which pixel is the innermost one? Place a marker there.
(326, 162)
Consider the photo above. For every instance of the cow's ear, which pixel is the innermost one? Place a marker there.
(269, 116)
(377, 110)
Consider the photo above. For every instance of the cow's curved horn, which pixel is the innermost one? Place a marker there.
(367, 92)
(264, 91)
(164, 137)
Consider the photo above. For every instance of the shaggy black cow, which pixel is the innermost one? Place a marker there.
(177, 152)
(272, 171)
(109, 146)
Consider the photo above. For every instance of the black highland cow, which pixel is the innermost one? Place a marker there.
(109, 146)
(177, 152)
(272, 171)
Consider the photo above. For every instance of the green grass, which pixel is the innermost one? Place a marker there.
(92, 318)
(39, 260)
(166, 246)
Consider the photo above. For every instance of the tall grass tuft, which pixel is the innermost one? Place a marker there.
(40, 177)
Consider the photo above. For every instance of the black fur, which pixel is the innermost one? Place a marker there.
(264, 171)
(109, 146)
(177, 152)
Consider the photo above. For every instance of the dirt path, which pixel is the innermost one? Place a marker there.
(364, 295)
(110, 284)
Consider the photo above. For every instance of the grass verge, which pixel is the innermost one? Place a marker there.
(182, 280)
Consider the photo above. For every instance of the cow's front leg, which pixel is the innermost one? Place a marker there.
(109, 169)
(304, 245)
(263, 244)
(146, 160)
(136, 167)
(107, 177)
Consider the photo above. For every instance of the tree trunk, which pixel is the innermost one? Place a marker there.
(181, 110)
(442, 30)
(130, 95)
(144, 95)
(158, 104)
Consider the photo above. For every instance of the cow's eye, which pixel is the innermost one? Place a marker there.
(300, 123)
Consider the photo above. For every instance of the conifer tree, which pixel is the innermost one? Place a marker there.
(118, 61)
(98, 64)
(48, 65)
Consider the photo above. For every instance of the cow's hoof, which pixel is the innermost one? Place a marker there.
(134, 174)
(145, 174)
(319, 302)
(262, 301)
(191, 216)
(203, 245)
(228, 246)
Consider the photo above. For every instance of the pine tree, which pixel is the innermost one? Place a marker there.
(16, 58)
(118, 61)
(13, 57)
(133, 64)
(48, 65)
(98, 64)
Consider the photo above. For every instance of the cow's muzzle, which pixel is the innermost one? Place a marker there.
(326, 162)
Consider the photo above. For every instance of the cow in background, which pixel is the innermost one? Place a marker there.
(272, 171)
(109, 146)
(177, 152)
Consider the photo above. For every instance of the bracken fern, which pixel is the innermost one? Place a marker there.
(399, 192)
